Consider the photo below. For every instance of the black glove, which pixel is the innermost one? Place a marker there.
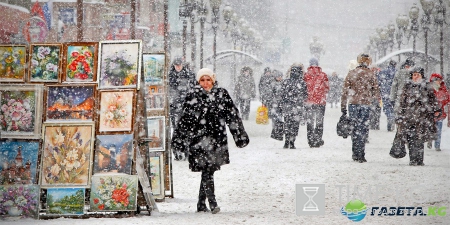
(242, 140)
(344, 111)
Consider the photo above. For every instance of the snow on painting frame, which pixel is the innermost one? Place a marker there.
(45, 63)
(80, 62)
(116, 111)
(119, 64)
(13, 60)
(70, 103)
(21, 111)
(67, 152)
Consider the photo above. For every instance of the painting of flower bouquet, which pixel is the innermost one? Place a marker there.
(45, 62)
(116, 111)
(12, 63)
(80, 62)
(67, 154)
(65, 201)
(19, 200)
(20, 111)
(113, 193)
(120, 64)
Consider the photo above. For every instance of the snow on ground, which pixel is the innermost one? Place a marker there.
(258, 187)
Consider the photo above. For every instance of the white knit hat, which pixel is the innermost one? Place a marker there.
(206, 72)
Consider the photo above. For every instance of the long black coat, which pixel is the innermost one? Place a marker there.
(201, 130)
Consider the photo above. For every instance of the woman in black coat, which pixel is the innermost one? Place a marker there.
(202, 133)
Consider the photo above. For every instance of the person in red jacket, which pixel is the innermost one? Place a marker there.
(317, 87)
(443, 98)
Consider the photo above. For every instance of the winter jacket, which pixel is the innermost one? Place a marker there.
(202, 132)
(417, 107)
(265, 88)
(179, 84)
(442, 96)
(385, 79)
(360, 87)
(335, 88)
(245, 87)
(397, 87)
(317, 85)
(293, 95)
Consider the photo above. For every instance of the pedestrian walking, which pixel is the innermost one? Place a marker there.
(418, 109)
(265, 87)
(202, 132)
(277, 118)
(443, 99)
(334, 95)
(317, 87)
(293, 95)
(245, 91)
(385, 79)
(359, 91)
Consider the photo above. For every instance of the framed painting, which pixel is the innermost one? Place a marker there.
(12, 63)
(45, 62)
(114, 153)
(66, 155)
(19, 200)
(119, 64)
(153, 69)
(156, 165)
(71, 103)
(18, 161)
(21, 111)
(155, 133)
(80, 62)
(113, 193)
(65, 201)
(116, 111)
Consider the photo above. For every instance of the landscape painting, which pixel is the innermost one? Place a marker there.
(65, 201)
(114, 153)
(18, 161)
(70, 103)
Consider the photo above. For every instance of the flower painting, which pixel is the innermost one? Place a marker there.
(80, 62)
(120, 63)
(70, 102)
(116, 111)
(19, 200)
(67, 153)
(65, 201)
(12, 63)
(18, 161)
(45, 62)
(20, 115)
(113, 193)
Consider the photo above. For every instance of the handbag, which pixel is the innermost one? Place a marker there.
(344, 126)
(262, 115)
(398, 149)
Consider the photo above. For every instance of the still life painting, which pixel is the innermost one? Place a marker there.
(114, 153)
(18, 161)
(12, 63)
(116, 110)
(67, 153)
(119, 64)
(80, 62)
(70, 102)
(65, 201)
(45, 60)
(113, 193)
(20, 111)
(19, 201)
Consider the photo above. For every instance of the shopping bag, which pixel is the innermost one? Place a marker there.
(262, 115)
(398, 149)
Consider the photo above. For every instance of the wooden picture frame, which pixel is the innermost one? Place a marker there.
(156, 130)
(119, 64)
(116, 111)
(113, 193)
(70, 103)
(20, 200)
(45, 63)
(13, 63)
(80, 62)
(26, 99)
(114, 153)
(156, 168)
(18, 161)
(65, 201)
(153, 72)
(67, 152)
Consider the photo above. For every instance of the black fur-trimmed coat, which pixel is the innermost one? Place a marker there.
(201, 130)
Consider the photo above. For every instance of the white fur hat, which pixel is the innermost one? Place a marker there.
(206, 72)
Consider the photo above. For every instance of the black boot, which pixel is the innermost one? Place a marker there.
(291, 143)
(286, 141)
(209, 189)
(201, 205)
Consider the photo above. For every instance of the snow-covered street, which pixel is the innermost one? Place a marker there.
(258, 187)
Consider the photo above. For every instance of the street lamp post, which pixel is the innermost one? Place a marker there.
(439, 19)
(202, 12)
(414, 15)
(402, 24)
(215, 5)
(427, 7)
(391, 33)
(184, 14)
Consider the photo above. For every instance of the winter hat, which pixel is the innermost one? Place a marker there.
(408, 62)
(417, 69)
(267, 69)
(313, 62)
(206, 72)
(392, 63)
(177, 61)
(364, 59)
(435, 76)
(296, 71)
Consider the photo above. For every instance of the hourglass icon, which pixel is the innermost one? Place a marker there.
(310, 205)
